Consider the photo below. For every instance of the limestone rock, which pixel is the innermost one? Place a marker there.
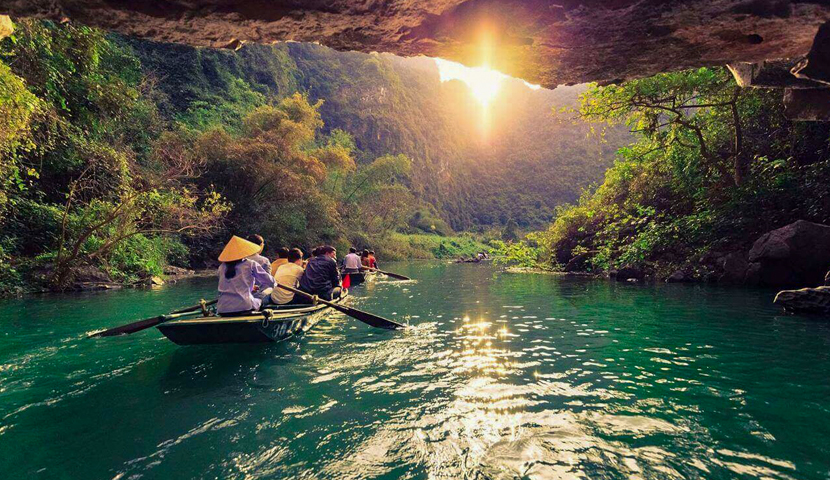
(735, 267)
(679, 277)
(155, 281)
(90, 274)
(807, 105)
(548, 43)
(805, 300)
(177, 271)
(627, 273)
(796, 254)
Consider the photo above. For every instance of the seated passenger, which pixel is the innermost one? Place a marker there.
(258, 257)
(373, 263)
(282, 259)
(289, 274)
(364, 258)
(321, 277)
(351, 264)
(239, 276)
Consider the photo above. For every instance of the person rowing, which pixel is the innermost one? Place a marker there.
(321, 277)
(240, 277)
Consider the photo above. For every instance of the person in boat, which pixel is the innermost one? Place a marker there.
(373, 263)
(259, 257)
(239, 276)
(351, 262)
(321, 277)
(289, 274)
(364, 259)
(282, 259)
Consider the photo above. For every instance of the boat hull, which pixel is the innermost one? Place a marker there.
(255, 328)
(359, 278)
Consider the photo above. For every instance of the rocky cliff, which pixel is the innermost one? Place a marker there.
(549, 43)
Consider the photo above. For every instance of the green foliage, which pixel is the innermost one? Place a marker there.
(139, 256)
(714, 167)
(117, 152)
(522, 254)
(407, 246)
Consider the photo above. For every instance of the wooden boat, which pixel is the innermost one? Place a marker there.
(270, 325)
(362, 277)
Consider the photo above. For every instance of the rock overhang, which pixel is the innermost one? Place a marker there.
(544, 42)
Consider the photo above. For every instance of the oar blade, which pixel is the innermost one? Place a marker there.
(395, 275)
(131, 328)
(372, 320)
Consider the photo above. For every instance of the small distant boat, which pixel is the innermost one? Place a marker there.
(270, 325)
(362, 277)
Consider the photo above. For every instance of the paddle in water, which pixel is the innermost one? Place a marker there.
(151, 322)
(365, 317)
(388, 274)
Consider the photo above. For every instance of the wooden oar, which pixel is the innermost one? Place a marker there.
(150, 322)
(388, 274)
(365, 317)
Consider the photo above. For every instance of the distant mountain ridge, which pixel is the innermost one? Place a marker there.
(530, 161)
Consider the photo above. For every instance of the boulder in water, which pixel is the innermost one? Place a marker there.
(796, 254)
(805, 300)
(734, 267)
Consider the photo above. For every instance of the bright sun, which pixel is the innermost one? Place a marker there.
(484, 83)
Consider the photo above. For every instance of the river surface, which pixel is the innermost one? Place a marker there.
(503, 376)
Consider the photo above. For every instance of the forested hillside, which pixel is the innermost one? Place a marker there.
(530, 160)
(714, 167)
(122, 156)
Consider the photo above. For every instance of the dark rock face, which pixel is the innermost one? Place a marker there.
(806, 300)
(735, 266)
(679, 277)
(577, 263)
(549, 43)
(629, 273)
(797, 254)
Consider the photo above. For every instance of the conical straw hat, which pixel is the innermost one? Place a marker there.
(237, 249)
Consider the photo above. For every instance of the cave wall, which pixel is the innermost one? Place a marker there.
(544, 42)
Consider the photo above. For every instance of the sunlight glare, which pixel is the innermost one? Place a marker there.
(484, 83)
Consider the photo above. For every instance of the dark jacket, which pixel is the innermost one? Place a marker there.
(320, 276)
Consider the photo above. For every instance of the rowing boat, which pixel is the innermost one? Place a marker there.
(270, 325)
(358, 278)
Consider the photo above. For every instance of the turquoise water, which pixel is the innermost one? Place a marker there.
(502, 376)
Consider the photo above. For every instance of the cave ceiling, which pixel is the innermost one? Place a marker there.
(544, 42)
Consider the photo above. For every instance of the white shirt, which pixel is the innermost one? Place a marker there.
(289, 275)
(351, 262)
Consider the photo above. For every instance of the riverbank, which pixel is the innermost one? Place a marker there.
(400, 246)
(30, 278)
(555, 273)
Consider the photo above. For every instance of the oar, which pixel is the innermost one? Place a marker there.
(389, 274)
(150, 322)
(365, 317)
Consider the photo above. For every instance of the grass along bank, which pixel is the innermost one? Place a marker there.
(399, 246)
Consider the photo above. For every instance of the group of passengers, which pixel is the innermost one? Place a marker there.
(354, 263)
(248, 280)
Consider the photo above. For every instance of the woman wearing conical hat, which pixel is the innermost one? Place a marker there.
(238, 275)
